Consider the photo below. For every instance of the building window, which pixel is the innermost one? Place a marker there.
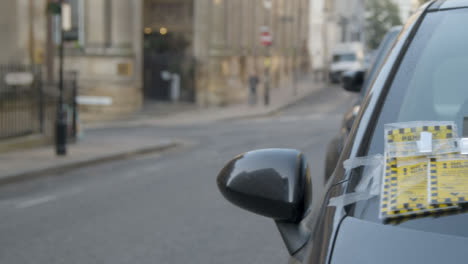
(76, 34)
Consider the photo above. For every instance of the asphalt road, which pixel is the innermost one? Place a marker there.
(164, 207)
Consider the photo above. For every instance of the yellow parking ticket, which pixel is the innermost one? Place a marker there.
(405, 195)
(390, 170)
(405, 185)
(413, 133)
(409, 185)
(448, 179)
(404, 191)
(402, 142)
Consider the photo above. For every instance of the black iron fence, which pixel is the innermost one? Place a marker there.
(28, 105)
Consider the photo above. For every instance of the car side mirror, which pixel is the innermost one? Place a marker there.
(272, 182)
(353, 81)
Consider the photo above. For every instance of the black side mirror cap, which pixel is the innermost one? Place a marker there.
(353, 80)
(272, 182)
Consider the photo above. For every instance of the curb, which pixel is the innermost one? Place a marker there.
(31, 175)
(274, 110)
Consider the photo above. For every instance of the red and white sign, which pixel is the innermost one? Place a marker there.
(265, 36)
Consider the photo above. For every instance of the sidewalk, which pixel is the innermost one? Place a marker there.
(280, 98)
(98, 147)
(95, 148)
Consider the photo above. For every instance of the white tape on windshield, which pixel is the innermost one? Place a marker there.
(425, 142)
(464, 145)
(363, 161)
(369, 186)
(349, 198)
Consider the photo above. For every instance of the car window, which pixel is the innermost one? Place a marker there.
(344, 57)
(382, 52)
(430, 84)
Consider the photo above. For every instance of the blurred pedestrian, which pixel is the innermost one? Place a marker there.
(253, 83)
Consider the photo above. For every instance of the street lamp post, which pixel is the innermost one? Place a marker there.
(266, 40)
(61, 125)
(56, 8)
(267, 29)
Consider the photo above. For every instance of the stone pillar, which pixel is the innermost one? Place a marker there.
(137, 39)
(218, 21)
(9, 31)
(111, 64)
(218, 66)
(95, 24)
(122, 13)
(202, 27)
(202, 37)
(22, 24)
(209, 49)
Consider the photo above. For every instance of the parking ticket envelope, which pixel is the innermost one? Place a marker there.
(405, 185)
(448, 179)
(410, 185)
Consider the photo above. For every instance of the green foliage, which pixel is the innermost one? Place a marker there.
(381, 16)
(54, 8)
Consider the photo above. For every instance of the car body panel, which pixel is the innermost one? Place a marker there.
(360, 242)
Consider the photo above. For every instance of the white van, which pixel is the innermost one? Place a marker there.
(346, 57)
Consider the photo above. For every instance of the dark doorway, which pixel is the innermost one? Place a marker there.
(166, 52)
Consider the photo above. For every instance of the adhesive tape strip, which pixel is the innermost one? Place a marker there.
(425, 142)
(363, 161)
(464, 145)
(349, 198)
(364, 190)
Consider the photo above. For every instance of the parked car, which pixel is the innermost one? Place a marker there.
(336, 144)
(346, 56)
(369, 58)
(423, 78)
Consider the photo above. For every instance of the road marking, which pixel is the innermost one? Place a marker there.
(36, 201)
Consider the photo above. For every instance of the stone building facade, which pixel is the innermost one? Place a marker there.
(108, 56)
(108, 48)
(105, 49)
(227, 45)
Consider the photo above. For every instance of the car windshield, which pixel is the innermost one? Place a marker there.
(430, 85)
(382, 52)
(344, 57)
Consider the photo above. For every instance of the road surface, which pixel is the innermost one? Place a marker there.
(164, 207)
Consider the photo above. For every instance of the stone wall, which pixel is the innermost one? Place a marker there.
(109, 63)
(228, 50)
(22, 31)
(107, 76)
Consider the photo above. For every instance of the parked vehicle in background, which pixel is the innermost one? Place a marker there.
(346, 57)
(369, 58)
(336, 144)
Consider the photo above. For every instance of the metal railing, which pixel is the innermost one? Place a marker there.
(28, 105)
(21, 100)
